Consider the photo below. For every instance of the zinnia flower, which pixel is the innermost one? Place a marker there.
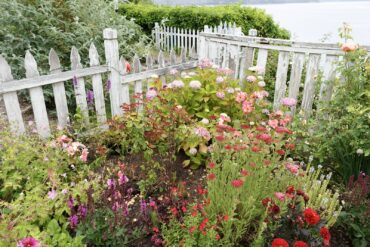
(195, 84)
(300, 244)
(211, 165)
(211, 176)
(311, 216)
(280, 196)
(237, 183)
(28, 242)
(325, 233)
(240, 97)
(279, 242)
(349, 47)
(220, 79)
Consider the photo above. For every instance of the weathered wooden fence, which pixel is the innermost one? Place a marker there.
(241, 52)
(167, 38)
(119, 84)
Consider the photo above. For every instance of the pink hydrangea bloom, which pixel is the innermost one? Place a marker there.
(220, 95)
(289, 102)
(195, 84)
(220, 79)
(251, 78)
(202, 132)
(205, 63)
(152, 93)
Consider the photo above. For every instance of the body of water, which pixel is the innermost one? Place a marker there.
(313, 21)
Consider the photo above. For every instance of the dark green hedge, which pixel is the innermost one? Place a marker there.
(195, 17)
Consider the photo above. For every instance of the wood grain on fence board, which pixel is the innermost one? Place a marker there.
(97, 84)
(12, 107)
(309, 85)
(79, 85)
(59, 91)
(296, 76)
(281, 78)
(37, 98)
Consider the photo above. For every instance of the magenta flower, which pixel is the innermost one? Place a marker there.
(90, 97)
(28, 242)
(73, 221)
(280, 196)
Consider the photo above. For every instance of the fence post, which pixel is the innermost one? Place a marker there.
(112, 59)
(202, 48)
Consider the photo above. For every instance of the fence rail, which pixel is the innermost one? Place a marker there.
(117, 87)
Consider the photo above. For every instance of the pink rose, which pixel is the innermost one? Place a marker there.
(347, 47)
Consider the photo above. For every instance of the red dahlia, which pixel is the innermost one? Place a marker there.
(325, 233)
(300, 244)
(311, 216)
(279, 242)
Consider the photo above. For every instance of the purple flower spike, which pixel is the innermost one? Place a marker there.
(143, 207)
(74, 80)
(73, 221)
(82, 210)
(109, 85)
(90, 97)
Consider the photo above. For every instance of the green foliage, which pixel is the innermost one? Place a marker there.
(195, 17)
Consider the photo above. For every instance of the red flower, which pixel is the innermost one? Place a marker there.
(192, 229)
(266, 201)
(128, 67)
(279, 242)
(280, 152)
(290, 189)
(290, 146)
(183, 209)
(325, 233)
(261, 128)
(300, 244)
(211, 176)
(283, 130)
(194, 213)
(174, 211)
(220, 138)
(203, 224)
(155, 229)
(244, 172)
(264, 137)
(256, 149)
(226, 217)
(237, 183)
(228, 147)
(211, 165)
(245, 126)
(311, 216)
(218, 237)
(274, 209)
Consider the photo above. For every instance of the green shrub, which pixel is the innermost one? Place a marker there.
(195, 17)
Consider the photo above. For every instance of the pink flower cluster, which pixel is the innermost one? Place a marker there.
(290, 102)
(72, 147)
(202, 132)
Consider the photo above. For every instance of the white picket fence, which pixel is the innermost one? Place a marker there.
(119, 83)
(241, 52)
(168, 38)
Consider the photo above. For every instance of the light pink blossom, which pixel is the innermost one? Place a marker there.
(280, 196)
(52, 194)
(152, 93)
(289, 102)
(195, 84)
(220, 95)
(240, 97)
(251, 78)
(84, 154)
(273, 123)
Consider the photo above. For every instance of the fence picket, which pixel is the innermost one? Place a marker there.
(97, 84)
(296, 76)
(79, 85)
(309, 85)
(183, 55)
(138, 84)
(37, 98)
(326, 89)
(262, 59)
(161, 64)
(125, 88)
(281, 78)
(173, 58)
(13, 110)
(112, 58)
(59, 91)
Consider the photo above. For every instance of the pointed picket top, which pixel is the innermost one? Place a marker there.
(234, 25)
(149, 61)
(121, 65)
(30, 65)
(75, 59)
(54, 61)
(161, 62)
(93, 55)
(173, 57)
(183, 55)
(137, 64)
(5, 70)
